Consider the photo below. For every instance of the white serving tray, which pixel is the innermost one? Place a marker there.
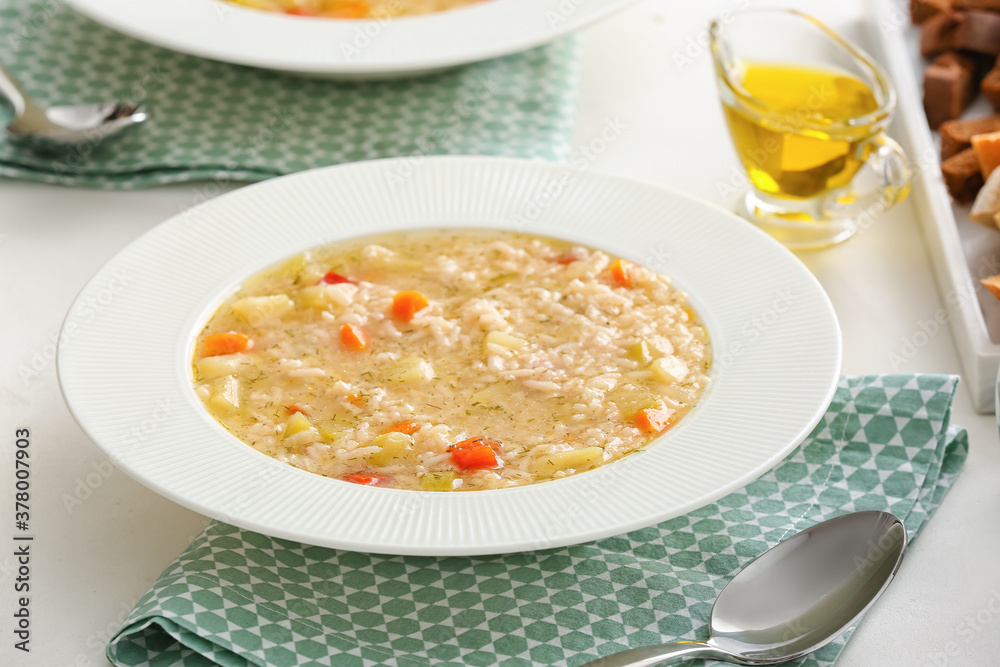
(961, 251)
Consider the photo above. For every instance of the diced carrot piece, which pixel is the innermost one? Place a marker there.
(293, 408)
(224, 343)
(299, 11)
(987, 147)
(353, 338)
(362, 478)
(357, 400)
(621, 273)
(992, 284)
(334, 278)
(474, 453)
(348, 9)
(653, 420)
(409, 428)
(564, 259)
(407, 304)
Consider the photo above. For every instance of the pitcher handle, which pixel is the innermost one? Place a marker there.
(889, 162)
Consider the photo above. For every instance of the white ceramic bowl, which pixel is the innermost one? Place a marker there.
(125, 368)
(347, 48)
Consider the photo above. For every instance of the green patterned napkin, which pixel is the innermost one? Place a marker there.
(238, 598)
(227, 123)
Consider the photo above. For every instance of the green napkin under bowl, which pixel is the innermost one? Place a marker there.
(238, 598)
(226, 123)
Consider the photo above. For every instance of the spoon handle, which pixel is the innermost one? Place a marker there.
(647, 656)
(10, 89)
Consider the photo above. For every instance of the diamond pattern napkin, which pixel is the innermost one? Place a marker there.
(230, 123)
(237, 598)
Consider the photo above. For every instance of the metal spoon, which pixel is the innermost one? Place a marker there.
(63, 127)
(794, 598)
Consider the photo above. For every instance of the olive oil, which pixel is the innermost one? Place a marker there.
(792, 136)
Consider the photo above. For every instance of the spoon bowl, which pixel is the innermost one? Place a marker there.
(794, 598)
(61, 128)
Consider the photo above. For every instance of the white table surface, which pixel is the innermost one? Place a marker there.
(93, 559)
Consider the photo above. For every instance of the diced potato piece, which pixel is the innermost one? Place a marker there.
(341, 295)
(577, 458)
(295, 265)
(297, 423)
(504, 340)
(224, 364)
(487, 395)
(660, 346)
(394, 447)
(333, 430)
(256, 309)
(629, 399)
(300, 431)
(668, 370)
(491, 395)
(313, 296)
(227, 397)
(306, 437)
(640, 352)
(574, 328)
(310, 269)
(412, 371)
(321, 297)
(437, 481)
(580, 269)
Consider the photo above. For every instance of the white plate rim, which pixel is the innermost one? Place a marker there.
(221, 31)
(110, 398)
